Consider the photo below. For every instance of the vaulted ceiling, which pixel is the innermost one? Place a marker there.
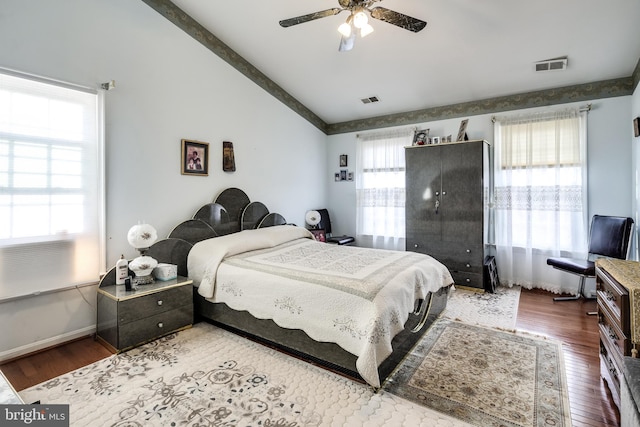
(473, 55)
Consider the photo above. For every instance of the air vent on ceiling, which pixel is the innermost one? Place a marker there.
(370, 100)
(555, 64)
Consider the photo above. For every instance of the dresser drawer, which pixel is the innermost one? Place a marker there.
(614, 297)
(456, 257)
(133, 309)
(612, 336)
(472, 280)
(149, 328)
(610, 372)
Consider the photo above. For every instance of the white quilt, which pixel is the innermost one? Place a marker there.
(355, 297)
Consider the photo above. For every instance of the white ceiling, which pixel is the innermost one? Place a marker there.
(470, 50)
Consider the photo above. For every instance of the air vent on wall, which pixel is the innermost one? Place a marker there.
(370, 100)
(555, 64)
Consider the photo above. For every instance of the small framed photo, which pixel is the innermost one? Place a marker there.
(343, 161)
(462, 132)
(636, 126)
(319, 235)
(337, 176)
(421, 137)
(195, 157)
(343, 175)
(228, 158)
(435, 140)
(350, 176)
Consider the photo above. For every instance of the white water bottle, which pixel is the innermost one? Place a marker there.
(122, 270)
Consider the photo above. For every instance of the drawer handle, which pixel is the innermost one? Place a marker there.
(612, 334)
(610, 296)
(415, 246)
(468, 251)
(468, 265)
(467, 280)
(160, 325)
(159, 302)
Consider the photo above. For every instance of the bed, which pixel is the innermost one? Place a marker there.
(354, 310)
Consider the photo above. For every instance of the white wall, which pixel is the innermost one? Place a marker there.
(168, 87)
(635, 177)
(609, 162)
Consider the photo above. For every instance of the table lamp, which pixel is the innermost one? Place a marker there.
(141, 237)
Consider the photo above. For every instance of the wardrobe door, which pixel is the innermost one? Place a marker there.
(462, 232)
(423, 193)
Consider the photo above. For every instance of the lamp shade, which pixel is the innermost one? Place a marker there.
(142, 236)
(312, 218)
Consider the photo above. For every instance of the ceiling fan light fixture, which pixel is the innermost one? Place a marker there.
(345, 29)
(360, 19)
(366, 30)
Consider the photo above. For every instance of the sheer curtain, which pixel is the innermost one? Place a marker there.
(380, 192)
(540, 196)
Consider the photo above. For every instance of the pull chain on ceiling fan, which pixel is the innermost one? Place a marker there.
(358, 21)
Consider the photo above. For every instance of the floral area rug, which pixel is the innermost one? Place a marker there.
(494, 310)
(486, 377)
(205, 376)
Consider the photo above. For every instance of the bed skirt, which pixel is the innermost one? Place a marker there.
(298, 343)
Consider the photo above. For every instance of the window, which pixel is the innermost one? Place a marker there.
(540, 190)
(51, 185)
(380, 189)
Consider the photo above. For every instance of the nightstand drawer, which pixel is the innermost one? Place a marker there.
(149, 328)
(134, 309)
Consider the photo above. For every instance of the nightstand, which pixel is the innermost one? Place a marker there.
(127, 319)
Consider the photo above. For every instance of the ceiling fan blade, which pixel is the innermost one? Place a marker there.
(398, 19)
(346, 43)
(310, 17)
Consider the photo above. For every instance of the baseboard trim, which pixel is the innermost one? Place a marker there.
(41, 345)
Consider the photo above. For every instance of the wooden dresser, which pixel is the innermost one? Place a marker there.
(617, 281)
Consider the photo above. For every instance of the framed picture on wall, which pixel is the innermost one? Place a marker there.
(343, 160)
(195, 158)
(636, 126)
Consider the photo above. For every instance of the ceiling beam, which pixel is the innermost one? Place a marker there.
(542, 98)
(190, 26)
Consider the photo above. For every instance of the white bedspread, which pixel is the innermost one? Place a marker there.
(355, 297)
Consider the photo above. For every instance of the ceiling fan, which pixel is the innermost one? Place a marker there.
(357, 22)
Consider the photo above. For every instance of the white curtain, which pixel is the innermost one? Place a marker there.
(540, 196)
(380, 189)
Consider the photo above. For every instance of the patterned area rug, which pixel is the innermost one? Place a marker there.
(498, 310)
(458, 375)
(205, 376)
(486, 377)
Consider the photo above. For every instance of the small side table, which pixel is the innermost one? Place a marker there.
(127, 319)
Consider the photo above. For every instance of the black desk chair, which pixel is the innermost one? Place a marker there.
(608, 237)
(325, 224)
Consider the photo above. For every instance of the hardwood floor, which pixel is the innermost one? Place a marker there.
(589, 398)
(567, 321)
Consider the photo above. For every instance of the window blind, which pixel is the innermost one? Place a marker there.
(51, 185)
